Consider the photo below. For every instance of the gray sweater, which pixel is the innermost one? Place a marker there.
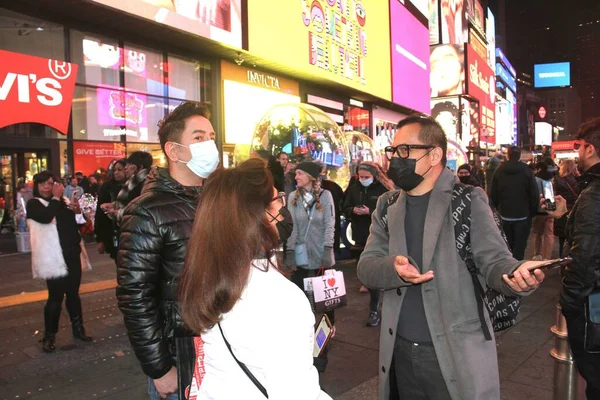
(322, 229)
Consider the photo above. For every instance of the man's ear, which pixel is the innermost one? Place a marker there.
(172, 152)
(437, 155)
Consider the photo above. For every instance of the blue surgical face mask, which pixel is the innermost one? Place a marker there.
(366, 182)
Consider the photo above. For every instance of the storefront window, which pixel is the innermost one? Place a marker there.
(65, 168)
(144, 71)
(184, 78)
(92, 119)
(357, 119)
(27, 35)
(158, 157)
(30, 130)
(100, 60)
(91, 157)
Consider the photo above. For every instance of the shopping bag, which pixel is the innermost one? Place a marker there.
(326, 292)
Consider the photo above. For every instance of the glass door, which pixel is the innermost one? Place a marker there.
(7, 184)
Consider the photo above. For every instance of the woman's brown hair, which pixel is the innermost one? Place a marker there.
(230, 230)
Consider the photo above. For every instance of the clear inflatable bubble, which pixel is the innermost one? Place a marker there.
(361, 148)
(305, 133)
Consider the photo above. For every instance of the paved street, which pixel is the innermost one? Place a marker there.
(107, 369)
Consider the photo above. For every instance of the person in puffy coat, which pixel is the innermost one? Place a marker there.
(361, 201)
(155, 229)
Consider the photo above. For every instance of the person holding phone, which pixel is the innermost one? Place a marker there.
(432, 345)
(361, 200)
(543, 224)
(255, 327)
(582, 278)
(565, 185)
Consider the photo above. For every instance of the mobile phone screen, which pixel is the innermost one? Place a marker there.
(321, 335)
(548, 191)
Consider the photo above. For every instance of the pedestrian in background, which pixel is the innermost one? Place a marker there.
(105, 229)
(248, 315)
(466, 177)
(514, 194)
(565, 185)
(73, 191)
(52, 222)
(543, 224)
(361, 201)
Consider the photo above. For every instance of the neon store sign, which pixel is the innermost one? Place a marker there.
(336, 36)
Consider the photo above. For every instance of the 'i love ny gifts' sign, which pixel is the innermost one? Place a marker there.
(328, 290)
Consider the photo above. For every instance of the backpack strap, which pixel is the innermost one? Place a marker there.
(461, 218)
(390, 201)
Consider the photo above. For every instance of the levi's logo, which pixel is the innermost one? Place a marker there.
(47, 87)
(34, 89)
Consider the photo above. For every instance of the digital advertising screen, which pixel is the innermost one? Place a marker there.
(447, 64)
(445, 111)
(454, 22)
(481, 84)
(219, 20)
(504, 123)
(434, 22)
(552, 75)
(347, 42)
(504, 60)
(503, 74)
(490, 33)
(543, 134)
(410, 59)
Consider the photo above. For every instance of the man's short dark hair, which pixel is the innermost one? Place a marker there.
(514, 153)
(590, 132)
(171, 128)
(141, 159)
(431, 133)
(542, 166)
(282, 153)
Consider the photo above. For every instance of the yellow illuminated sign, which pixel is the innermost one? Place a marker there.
(346, 41)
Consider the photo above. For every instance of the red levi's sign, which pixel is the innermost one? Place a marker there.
(34, 89)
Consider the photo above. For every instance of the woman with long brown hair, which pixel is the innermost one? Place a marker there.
(255, 326)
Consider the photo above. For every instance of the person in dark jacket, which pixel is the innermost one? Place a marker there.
(361, 201)
(565, 185)
(155, 229)
(582, 277)
(514, 194)
(105, 228)
(464, 174)
(338, 197)
(48, 206)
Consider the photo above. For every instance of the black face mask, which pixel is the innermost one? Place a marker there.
(465, 179)
(285, 227)
(402, 173)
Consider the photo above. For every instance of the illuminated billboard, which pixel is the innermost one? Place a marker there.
(552, 75)
(506, 77)
(219, 20)
(490, 33)
(454, 23)
(481, 84)
(410, 59)
(347, 42)
(447, 70)
(543, 134)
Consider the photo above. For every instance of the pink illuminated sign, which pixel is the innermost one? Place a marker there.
(410, 59)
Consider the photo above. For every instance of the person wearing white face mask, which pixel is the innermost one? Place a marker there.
(359, 204)
(155, 229)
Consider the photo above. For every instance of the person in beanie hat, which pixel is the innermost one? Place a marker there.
(310, 203)
(311, 168)
(464, 174)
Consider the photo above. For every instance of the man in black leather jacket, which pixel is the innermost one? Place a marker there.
(155, 229)
(582, 277)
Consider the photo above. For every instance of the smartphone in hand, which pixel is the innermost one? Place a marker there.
(549, 195)
(559, 262)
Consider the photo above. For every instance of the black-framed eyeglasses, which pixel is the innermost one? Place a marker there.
(281, 198)
(403, 150)
(577, 145)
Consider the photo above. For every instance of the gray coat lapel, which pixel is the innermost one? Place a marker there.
(437, 211)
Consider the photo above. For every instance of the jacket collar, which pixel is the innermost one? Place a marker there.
(588, 176)
(159, 180)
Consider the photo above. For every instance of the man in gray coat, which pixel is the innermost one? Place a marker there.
(431, 335)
